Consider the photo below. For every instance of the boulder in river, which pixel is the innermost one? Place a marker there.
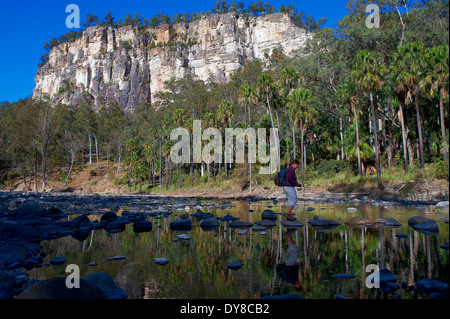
(292, 224)
(240, 225)
(103, 281)
(320, 223)
(429, 228)
(56, 288)
(359, 222)
(181, 224)
(388, 222)
(235, 265)
(269, 214)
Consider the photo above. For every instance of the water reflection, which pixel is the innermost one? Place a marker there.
(197, 267)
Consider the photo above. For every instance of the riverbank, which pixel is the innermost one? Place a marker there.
(417, 187)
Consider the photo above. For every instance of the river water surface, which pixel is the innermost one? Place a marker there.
(197, 266)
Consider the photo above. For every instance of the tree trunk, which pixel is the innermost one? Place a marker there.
(375, 137)
(358, 148)
(405, 152)
(70, 170)
(90, 149)
(276, 137)
(441, 111)
(419, 130)
(96, 150)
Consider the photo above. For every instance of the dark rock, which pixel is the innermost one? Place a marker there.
(108, 217)
(55, 288)
(115, 258)
(161, 261)
(269, 214)
(210, 222)
(320, 223)
(142, 226)
(431, 285)
(292, 224)
(428, 227)
(388, 222)
(267, 223)
(240, 224)
(235, 265)
(81, 221)
(53, 231)
(181, 224)
(310, 209)
(19, 232)
(58, 261)
(81, 234)
(29, 210)
(401, 235)
(7, 280)
(11, 254)
(445, 246)
(228, 218)
(344, 276)
(103, 281)
(417, 220)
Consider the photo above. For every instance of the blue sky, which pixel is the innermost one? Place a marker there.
(26, 25)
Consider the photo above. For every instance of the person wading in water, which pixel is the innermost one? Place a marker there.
(291, 194)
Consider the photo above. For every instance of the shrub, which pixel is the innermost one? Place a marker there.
(331, 167)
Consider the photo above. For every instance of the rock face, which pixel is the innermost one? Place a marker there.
(130, 65)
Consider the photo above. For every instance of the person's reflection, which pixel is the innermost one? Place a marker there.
(289, 270)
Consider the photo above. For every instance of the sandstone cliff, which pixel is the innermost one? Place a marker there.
(130, 65)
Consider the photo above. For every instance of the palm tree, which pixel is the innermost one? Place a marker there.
(301, 110)
(247, 97)
(367, 72)
(437, 79)
(345, 94)
(411, 67)
(267, 90)
(224, 115)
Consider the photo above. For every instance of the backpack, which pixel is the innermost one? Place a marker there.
(280, 178)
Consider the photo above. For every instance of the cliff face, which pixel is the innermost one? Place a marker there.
(131, 65)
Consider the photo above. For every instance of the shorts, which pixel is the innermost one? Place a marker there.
(291, 195)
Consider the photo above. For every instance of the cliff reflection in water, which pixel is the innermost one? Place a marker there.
(197, 265)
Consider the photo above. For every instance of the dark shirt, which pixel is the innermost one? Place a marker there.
(291, 178)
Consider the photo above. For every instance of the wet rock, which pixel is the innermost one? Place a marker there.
(92, 264)
(55, 288)
(142, 226)
(292, 224)
(235, 265)
(269, 214)
(266, 223)
(351, 209)
(12, 254)
(81, 221)
(428, 228)
(7, 280)
(320, 223)
(431, 285)
(240, 224)
(258, 228)
(106, 284)
(341, 296)
(183, 237)
(54, 231)
(115, 226)
(108, 217)
(81, 234)
(19, 232)
(388, 222)
(228, 218)
(310, 209)
(29, 211)
(445, 246)
(115, 258)
(343, 276)
(401, 235)
(210, 222)
(161, 261)
(181, 224)
(417, 220)
(57, 261)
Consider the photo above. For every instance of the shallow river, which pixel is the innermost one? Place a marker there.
(197, 267)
